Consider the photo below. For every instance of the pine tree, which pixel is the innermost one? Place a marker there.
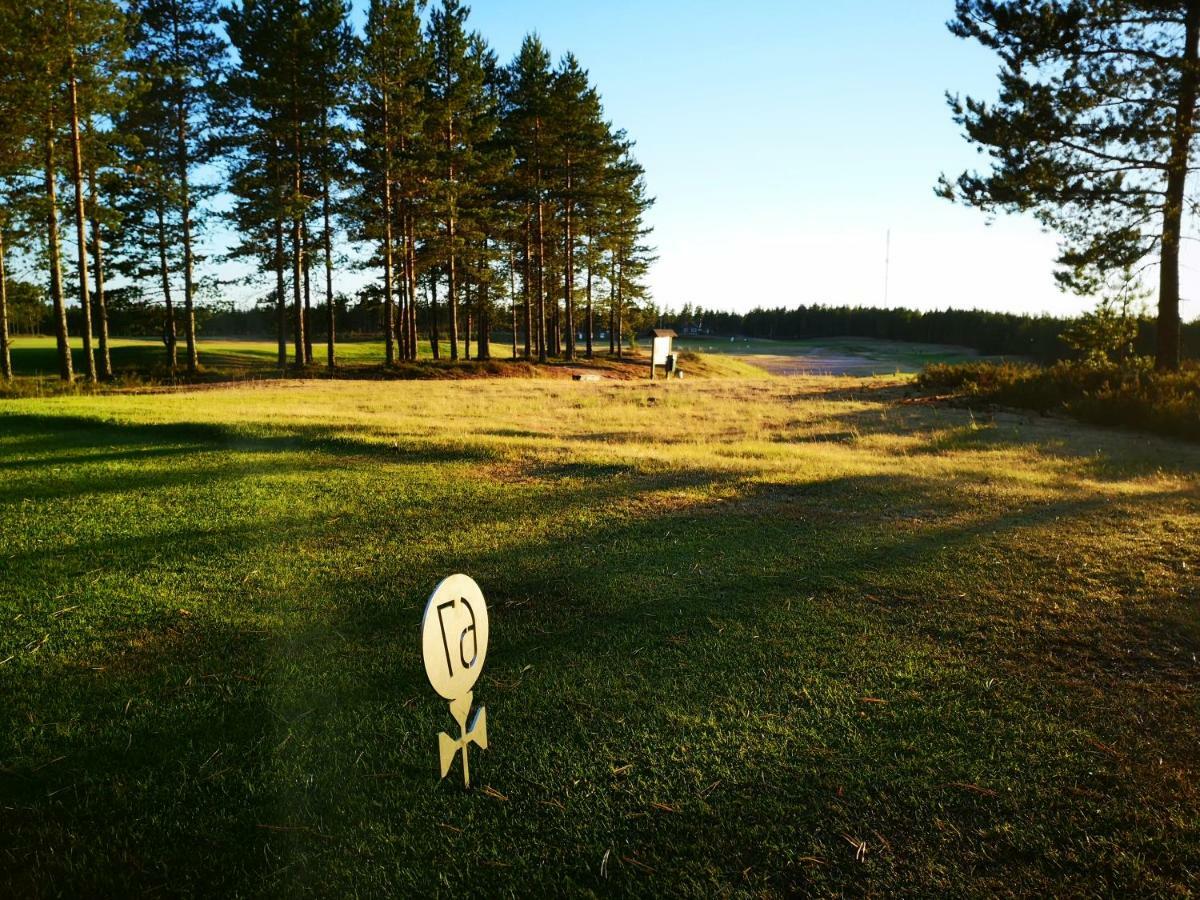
(581, 148)
(487, 210)
(6, 369)
(251, 134)
(629, 255)
(143, 249)
(181, 35)
(529, 85)
(37, 53)
(18, 159)
(458, 124)
(389, 110)
(273, 102)
(102, 159)
(1093, 132)
(334, 48)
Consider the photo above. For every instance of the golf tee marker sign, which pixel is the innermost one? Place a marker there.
(454, 640)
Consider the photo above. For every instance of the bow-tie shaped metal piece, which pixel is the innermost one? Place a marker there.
(476, 734)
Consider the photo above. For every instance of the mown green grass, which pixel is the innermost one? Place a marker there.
(37, 355)
(776, 637)
(224, 358)
(139, 365)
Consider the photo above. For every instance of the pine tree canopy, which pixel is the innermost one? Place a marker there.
(1093, 132)
(409, 149)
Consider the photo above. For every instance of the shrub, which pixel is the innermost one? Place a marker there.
(1131, 393)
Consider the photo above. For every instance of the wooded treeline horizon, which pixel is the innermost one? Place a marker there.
(481, 190)
(1042, 338)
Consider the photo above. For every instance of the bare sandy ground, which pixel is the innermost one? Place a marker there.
(819, 363)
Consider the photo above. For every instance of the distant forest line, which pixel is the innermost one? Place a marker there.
(1038, 338)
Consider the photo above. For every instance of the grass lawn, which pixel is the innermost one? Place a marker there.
(222, 356)
(777, 636)
(139, 362)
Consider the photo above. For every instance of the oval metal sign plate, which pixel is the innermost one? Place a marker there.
(454, 636)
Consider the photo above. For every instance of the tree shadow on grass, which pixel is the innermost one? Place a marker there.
(606, 655)
(40, 442)
(709, 656)
(117, 779)
(181, 763)
(1105, 454)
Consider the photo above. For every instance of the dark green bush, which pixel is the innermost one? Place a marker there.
(1130, 393)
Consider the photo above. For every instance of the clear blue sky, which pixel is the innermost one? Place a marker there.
(783, 139)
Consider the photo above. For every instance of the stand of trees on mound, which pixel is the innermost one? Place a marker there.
(487, 197)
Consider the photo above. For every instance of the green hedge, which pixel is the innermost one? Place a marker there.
(1131, 394)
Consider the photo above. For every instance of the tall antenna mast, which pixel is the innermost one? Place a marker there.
(887, 267)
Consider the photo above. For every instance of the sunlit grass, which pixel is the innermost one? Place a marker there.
(140, 364)
(741, 629)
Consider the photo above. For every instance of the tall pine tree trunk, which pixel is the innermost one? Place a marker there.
(402, 308)
(106, 369)
(410, 286)
(452, 293)
(410, 278)
(569, 270)
(280, 297)
(612, 308)
(85, 300)
(467, 309)
(308, 347)
(164, 274)
(541, 279)
(389, 316)
(389, 313)
(301, 340)
(1177, 171)
(452, 234)
(183, 161)
(620, 311)
(402, 301)
(435, 341)
(327, 241)
(483, 324)
(189, 286)
(556, 328)
(403, 298)
(590, 321)
(298, 336)
(54, 249)
(6, 370)
(526, 288)
(512, 295)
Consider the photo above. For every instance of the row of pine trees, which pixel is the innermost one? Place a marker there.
(492, 196)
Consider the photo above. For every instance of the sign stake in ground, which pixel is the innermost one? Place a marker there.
(454, 639)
